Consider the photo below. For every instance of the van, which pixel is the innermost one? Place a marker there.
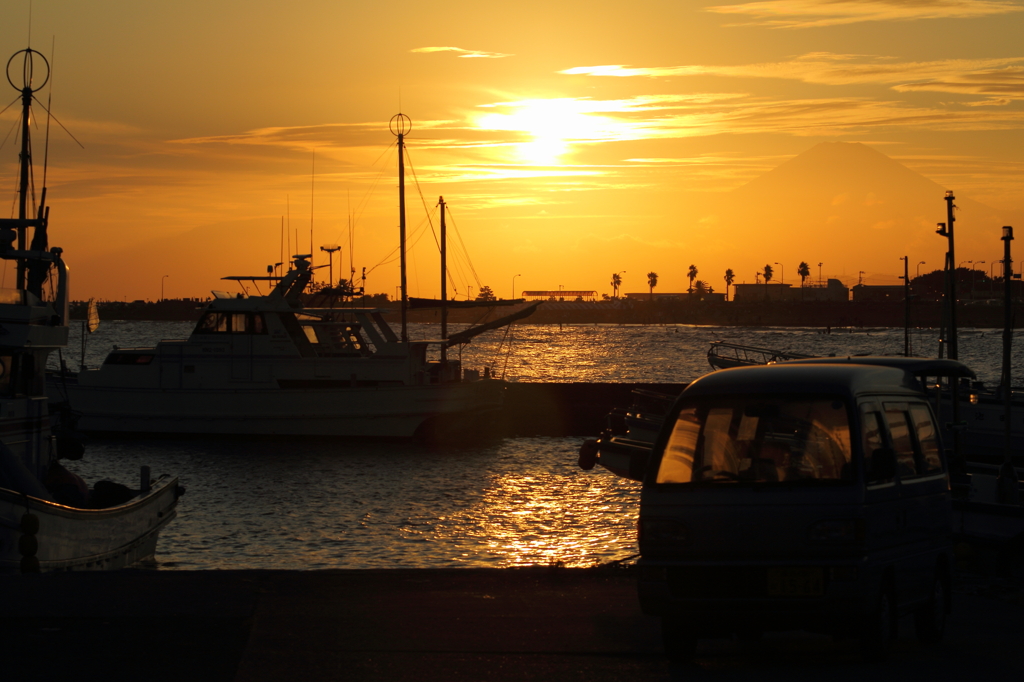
(797, 496)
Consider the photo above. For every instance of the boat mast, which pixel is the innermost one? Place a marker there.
(400, 127)
(444, 282)
(25, 157)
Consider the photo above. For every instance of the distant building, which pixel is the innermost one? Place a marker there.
(834, 290)
(658, 296)
(863, 293)
(668, 296)
(560, 295)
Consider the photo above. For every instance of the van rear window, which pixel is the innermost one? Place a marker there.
(751, 439)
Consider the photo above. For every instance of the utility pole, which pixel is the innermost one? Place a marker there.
(906, 306)
(946, 230)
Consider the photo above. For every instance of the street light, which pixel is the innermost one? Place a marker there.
(919, 268)
(819, 274)
(514, 285)
(991, 280)
(974, 276)
(782, 275)
(162, 286)
(330, 249)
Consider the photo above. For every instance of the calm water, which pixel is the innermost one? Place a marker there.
(309, 504)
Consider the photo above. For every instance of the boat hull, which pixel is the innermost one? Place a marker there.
(370, 412)
(71, 539)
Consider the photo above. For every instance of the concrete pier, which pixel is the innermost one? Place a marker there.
(450, 625)
(568, 409)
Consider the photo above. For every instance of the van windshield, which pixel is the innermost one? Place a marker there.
(752, 439)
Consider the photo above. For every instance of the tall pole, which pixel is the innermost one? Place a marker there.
(400, 126)
(954, 353)
(444, 280)
(906, 306)
(1007, 335)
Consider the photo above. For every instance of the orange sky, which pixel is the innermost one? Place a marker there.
(572, 140)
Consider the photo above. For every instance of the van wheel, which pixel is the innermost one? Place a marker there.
(880, 627)
(930, 620)
(679, 639)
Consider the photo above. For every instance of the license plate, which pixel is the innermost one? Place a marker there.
(795, 582)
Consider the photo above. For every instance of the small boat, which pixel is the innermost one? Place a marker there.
(49, 519)
(628, 436)
(723, 355)
(273, 364)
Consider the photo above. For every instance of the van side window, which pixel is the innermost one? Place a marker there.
(871, 427)
(931, 459)
(899, 430)
(677, 461)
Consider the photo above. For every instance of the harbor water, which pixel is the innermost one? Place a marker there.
(294, 503)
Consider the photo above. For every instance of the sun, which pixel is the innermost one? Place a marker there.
(549, 127)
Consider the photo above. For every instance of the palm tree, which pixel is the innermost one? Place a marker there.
(768, 272)
(692, 274)
(804, 270)
(700, 287)
(652, 281)
(729, 277)
(616, 283)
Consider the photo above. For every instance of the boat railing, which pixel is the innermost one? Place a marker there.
(735, 354)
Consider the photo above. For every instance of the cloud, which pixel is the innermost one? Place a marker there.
(998, 78)
(817, 13)
(1000, 85)
(463, 54)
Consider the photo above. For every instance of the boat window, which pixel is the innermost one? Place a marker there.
(259, 325)
(749, 439)
(927, 438)
(899, 430)
(310, 333)
(212, 323)
(239, 323)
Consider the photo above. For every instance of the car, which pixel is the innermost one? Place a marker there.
(797, 496)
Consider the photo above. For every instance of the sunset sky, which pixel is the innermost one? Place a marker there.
(572, 140)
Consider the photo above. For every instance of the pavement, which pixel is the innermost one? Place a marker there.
(444, 624)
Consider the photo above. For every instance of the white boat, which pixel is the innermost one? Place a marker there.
(271, 365)
(268, 365)
(49, 519)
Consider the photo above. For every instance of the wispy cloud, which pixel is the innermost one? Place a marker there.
(1000, 78)
(463, 54)
(815, 13)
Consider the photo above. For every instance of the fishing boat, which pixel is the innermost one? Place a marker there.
(50, 520)
(274, 364)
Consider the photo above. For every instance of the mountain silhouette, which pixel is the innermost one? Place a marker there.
(854, 208)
